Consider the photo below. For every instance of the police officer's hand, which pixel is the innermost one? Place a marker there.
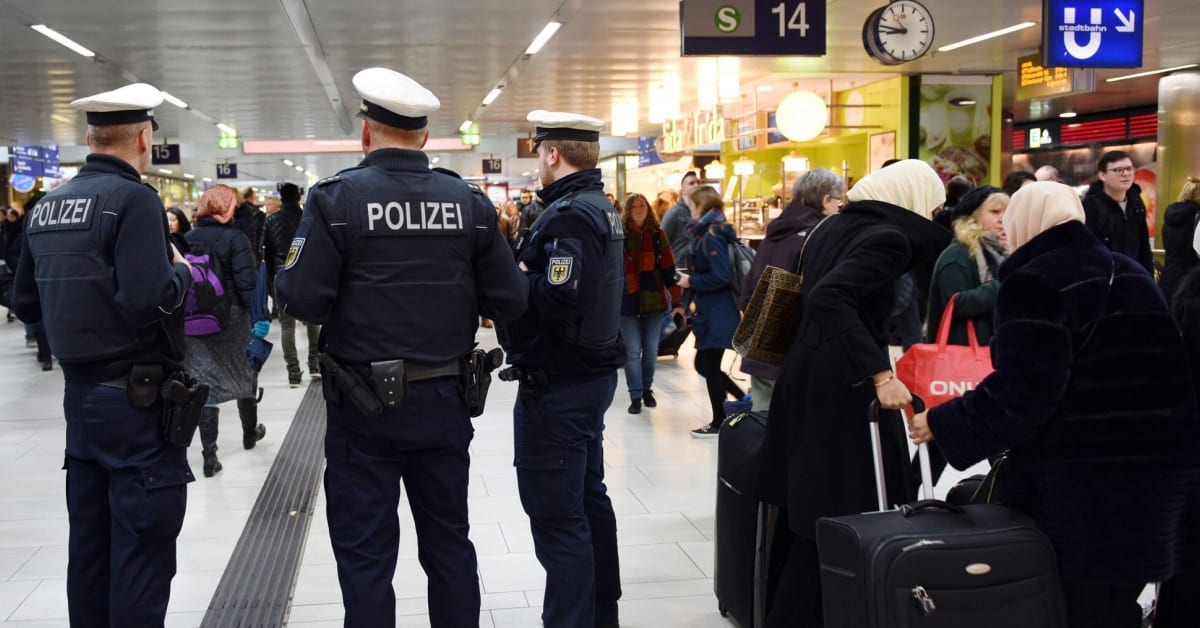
(176, 258)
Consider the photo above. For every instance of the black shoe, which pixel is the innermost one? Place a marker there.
(635, 406)
(649, 400)
(251, 439)
(708, 431)
(294, 380)
(211, 465)
(314, 371)
(252, 430)
(48, 365)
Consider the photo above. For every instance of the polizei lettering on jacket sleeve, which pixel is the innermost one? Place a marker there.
(414, 218)
(62, 214)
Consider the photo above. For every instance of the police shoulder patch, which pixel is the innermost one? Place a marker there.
(294, 252)
(558, 271)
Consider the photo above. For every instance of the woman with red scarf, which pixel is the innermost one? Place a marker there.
(649, 292)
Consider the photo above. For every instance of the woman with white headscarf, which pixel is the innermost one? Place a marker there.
(818, 455)
(1092, 398)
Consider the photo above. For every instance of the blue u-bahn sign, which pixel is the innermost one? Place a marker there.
(1092, 33)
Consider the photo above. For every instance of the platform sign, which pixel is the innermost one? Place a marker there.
(227, 171)
(1092, 33)
(164, 154)
(1035, 81)
(29, 166)
(752, 27)
(493, 166)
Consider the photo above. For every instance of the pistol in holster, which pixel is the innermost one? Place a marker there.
(477, 377)
(342, 384)
(183, 399)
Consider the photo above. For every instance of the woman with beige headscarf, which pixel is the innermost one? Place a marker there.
(1092, 398)
(818, 455)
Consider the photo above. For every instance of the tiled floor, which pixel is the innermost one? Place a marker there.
(662, 484)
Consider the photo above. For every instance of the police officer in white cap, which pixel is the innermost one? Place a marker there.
(97, 269)
(397, 262)
(566, 351)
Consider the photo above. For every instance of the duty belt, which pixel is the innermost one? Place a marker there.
(414, 372)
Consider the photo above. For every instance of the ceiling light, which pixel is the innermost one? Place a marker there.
(226, 128)
(986, 36)
(299, 168)
(491, 97)
(173, 100)
(962, 102)
(164, 171)
(62, 39)
(207, 179)
(543, 37)
(1151, 73)
(288, 162)
(188, 175)
(435, 160)
(1067, 114)
(465, 126)
(764, 88)
(525, 174)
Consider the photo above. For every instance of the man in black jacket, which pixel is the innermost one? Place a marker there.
(279, 230)
(1115, 211)
(250, 220)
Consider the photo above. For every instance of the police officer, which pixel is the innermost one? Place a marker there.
(566, 351)
(97, 269)
(397, 262)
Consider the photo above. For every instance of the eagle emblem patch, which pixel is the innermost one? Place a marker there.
(559, 270)
(293, 252)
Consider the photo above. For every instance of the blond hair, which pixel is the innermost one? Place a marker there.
(968, 230)
(1191, 190)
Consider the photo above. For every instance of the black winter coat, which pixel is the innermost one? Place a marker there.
(278, 232)
(818, 453)
(958, 272)
(1092, 393)
(232, 249)
(249, 220)
(1179, 226)
(1121, 231)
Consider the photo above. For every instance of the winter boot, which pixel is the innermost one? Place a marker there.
(208, 439)
(252, 430)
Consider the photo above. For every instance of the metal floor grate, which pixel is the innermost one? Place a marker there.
(256, 588)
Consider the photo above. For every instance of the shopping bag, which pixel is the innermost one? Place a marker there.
(940, 372)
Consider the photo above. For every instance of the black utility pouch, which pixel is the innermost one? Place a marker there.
(183, 401)
(145, 384)
(329, 387)
(387, 378)
(477, 377)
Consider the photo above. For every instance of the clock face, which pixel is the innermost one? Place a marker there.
(903, 30)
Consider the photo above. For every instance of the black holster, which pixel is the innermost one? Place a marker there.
(183, 400)
(342, 384)
(477, 377)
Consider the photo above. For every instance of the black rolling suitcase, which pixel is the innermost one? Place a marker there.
(932, 564)
(740, 522)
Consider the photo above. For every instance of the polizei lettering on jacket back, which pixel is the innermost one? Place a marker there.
(415, 217)
(62, 214)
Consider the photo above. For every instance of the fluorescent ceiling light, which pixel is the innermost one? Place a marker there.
(543, 37)
(1151, 73)
(435, 160)
(62, 39)
(763, 88)
(164, 171)
(465, 126)
(207, 180)
(188, 175)
(1067, 114)
(986, 36)
(299, 168)
(226, 128)
(173, 100)
(491, 97)
(288, 162)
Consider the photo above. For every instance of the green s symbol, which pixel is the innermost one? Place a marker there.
(727, 19)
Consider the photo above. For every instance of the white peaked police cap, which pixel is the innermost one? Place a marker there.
(126, 105)
(562, 125)
(394, 99)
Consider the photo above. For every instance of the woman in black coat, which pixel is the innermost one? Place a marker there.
(818, 453)
(1092, 397)
(1179, 229)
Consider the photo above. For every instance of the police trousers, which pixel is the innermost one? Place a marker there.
(126, 496)
(559, 456)
(422, 442)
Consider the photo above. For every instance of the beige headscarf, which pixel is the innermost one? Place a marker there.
(911, 184)
(1036, 208)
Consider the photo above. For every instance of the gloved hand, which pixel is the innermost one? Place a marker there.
(261, 328)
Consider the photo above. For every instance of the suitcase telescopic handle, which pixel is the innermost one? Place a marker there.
(873, 417)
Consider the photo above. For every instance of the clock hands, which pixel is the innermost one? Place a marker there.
(892, 30)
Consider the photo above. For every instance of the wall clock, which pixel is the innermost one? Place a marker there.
(898, 32)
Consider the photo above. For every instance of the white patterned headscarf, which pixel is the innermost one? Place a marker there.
(911, 184)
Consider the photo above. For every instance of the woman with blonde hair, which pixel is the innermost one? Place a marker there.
(1179, 228)
(219, 359)
(967, 268)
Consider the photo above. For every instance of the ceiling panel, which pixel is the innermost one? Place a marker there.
(241, 61)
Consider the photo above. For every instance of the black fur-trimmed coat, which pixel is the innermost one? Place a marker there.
(1093, 395)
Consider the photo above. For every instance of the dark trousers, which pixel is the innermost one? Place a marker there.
(708, 365)
(559, 446)
(423, 443)
(1099, 605)
(126, 496)
(1176, 602)
(796, 602)
(287, 326)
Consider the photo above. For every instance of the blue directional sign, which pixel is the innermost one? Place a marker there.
(26, 165)
(647, 153)
(752, 27)
(1092, 33)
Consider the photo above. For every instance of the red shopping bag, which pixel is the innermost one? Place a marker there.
(940, 372)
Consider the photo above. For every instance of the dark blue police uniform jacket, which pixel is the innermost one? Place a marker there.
(95, 268)
(575, 259)
(396, 261)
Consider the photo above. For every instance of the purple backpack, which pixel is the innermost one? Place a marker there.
(206, 306)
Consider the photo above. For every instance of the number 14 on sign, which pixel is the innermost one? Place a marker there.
(797, 22)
